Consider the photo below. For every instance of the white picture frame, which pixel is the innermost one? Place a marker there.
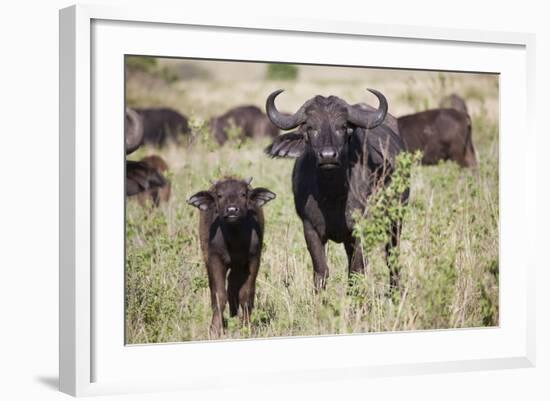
(92, 39)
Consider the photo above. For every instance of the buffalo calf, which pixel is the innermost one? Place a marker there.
(441, 134)
(231, 227)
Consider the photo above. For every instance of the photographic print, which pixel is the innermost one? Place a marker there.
(277, 200)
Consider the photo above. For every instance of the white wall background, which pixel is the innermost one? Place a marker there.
(29, 199)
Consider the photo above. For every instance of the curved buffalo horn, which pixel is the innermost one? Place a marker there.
(133, 130)
(280, 120)
(369, 119)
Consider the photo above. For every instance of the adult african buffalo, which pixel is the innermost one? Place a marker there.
(156, 194)
(343, 152)
(144, 178)
(453, 101)
(249, 120)
(133, 130)
(441, 134)
(163, 124)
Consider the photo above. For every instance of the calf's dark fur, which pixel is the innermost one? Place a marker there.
(231, 228)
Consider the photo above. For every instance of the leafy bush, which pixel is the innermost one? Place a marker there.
(385, 205)
(141, 63)
(149, 66)
(282, 71)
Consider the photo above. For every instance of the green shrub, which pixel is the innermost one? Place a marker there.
(141, 63)
(385, 205)
(150, 66)
(282, 71)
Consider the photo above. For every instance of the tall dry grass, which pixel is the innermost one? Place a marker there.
(449, 248)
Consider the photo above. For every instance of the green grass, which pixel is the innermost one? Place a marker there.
(448, 257)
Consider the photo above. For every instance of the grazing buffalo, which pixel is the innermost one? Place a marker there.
(454, 101)
(231, 228)
(144, 178)
(343, 152)
(161, 125)
(156, 194)
(441, 134)
(133, 130)
(140, 177)
(249, 120)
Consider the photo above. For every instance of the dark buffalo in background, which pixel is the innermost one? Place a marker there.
(231, 229)
(249, 120)
(144, 178)
(133, 130)
(156, 194)
(162, 125)
(441, 134)
(390, 120)
(343, 152)
(453, 101)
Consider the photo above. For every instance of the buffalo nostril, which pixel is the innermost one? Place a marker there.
(232, 209)
(328, 154)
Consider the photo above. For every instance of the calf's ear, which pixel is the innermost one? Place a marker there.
(289, 145)
(260, 196)
(202, 200)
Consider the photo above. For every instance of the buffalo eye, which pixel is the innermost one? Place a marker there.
(343, 129)
(243, 194)
(312, 131)
(219, 196)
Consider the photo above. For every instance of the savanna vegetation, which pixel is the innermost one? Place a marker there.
(448, 256)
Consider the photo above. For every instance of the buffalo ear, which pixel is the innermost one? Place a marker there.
(290, 145)
(260, 196)
(202, 200)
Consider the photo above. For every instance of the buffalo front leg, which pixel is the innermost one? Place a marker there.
(234, 282)
(241, 291)
(248, 290)
(316, 249)
(218, 295)
(355, 256)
